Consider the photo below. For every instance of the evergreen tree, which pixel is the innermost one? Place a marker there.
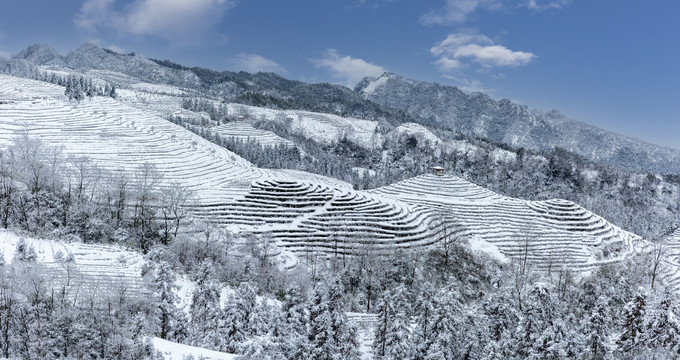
(330, 336)
(537, 333)
(236, 325)
(662, 329)
(206, 318)
(393, 332)
(633, 326)
(444, 338)
(168, 319)
(597, 331)
(425, 312)
(292, 329)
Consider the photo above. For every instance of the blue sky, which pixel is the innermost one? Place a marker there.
(610, 63)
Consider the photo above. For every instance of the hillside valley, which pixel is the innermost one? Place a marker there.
(240, 214)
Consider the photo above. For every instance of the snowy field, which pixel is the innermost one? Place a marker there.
(243, 131)
(176, 351)
(303, 212)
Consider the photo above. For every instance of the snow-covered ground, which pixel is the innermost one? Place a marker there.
(176, 351)
(303, 212)
(419, 131)
(241, 130)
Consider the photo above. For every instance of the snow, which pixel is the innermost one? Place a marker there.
(503, 156)
(481, 245)
(176, 351)
(370, 88)
(421, 133)
(94, 265)
(302, 212)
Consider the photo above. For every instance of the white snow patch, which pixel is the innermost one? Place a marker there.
(176, 351)
(503, 156)
(370, 88)
(479, 244)
(590, 174)
(363, 171)
(419, 131)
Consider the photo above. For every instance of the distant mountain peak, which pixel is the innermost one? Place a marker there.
(40, 54)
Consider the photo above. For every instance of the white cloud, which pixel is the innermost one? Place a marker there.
(347, 69)
(457, 11)
(541, 5)
(93, 13)
(177, 20)
(459, 50)
(253, 63)
(469, 85)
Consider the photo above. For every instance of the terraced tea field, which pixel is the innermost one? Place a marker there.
(305, 212)
(93, 268)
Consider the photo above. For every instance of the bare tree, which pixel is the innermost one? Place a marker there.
(146, 180)
(658, 253)
(7, 185)
(447, 237)
(173, 209)
(521, 271)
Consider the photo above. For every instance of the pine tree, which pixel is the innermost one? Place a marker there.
(444, 338)
(425, 311)
(662, 329)
(330, 336)
(596, 330)
(166, 314)
(292, 327)
(206, 317)
(536, 335)
(235, 324)
(90, 90)
(393, 331)
(633, 326)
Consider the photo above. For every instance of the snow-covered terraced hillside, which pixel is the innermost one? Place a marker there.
(302, 211)
(670, 266)
(551, 233)
(99, 268)
(243, 131)
(118, 137)
(307, 216)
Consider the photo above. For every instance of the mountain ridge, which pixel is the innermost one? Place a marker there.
(389, 98)
(477, 114)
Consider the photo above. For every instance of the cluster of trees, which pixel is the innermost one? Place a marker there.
(438, 304)
(48, 194)
(46, 318)
(77, 88)
(217, 113)
(294, 328)
(319, 161)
